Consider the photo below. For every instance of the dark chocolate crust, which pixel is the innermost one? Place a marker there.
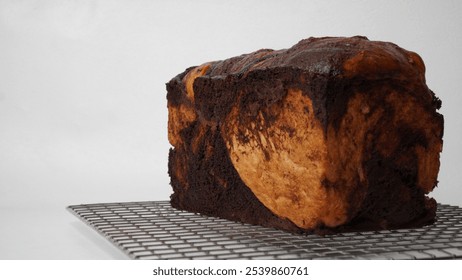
(327, 70)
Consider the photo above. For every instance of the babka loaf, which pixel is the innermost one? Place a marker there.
(330, 135)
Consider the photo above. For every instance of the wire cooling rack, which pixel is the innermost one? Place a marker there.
(155, 230)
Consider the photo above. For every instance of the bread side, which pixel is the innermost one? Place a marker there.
(333, 133)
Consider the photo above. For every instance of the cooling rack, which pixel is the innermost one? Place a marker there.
(155, 230)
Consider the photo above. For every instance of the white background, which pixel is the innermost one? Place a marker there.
(83, 116)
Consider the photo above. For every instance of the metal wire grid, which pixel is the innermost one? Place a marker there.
(155, 230)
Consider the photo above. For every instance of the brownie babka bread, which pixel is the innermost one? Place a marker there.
(333, 134)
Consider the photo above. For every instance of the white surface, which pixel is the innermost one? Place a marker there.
(82, 95)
